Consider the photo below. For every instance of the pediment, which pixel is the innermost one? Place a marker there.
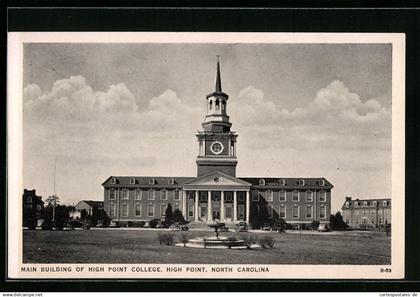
(217, 179)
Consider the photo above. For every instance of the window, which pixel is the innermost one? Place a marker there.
(256, 196)
(270, 211)
(269, 195)
(356, 203)
(125, 209)
(228, 196)
(124, 194)
(138, 210)
(113, 181)
(111, 194)
(241, 197)
(152, 181)
(29, 199)
(38, 207)
(309, 196)
(111, 209)
(385, 203)
(162, 210)
(217, 104)
(282, 195)
(151, 210)
(176, 194)
(211, 103)
(282, 182)
(152, 194)
(322, 182)
(163, 194)
(322, 196)
(309, 211)
(375, 203)
(365, 203)
(295, 211)
(322, 212)
(176, 206)
(171, 181)
(282, 211)
(241, 211)
(295, 196)
(262, 182)
(302, 182)
(190, 210)
(132, 181)
(347, 204)
(138, 194)
(356, 212)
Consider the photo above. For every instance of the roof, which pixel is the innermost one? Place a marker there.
(289, 182)
(144, 180)
(255, 181)
(93, 203)
(369, 200)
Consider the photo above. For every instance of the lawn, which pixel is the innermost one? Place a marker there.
(142, 246)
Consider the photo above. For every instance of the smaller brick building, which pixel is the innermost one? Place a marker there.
(32, 208)
(367, 213)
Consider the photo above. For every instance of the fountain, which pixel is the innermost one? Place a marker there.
(216, 242)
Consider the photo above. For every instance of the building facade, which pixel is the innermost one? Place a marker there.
(88, 206)
(367, 213)
(216, 193)
(32, 208)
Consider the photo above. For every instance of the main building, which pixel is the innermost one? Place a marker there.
(216, 193)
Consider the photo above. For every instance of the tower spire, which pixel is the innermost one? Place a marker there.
(218, 79)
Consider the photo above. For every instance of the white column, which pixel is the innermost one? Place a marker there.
(196, 207)
(235, 206)
(184, 204)
(247, 206)
(222, 206)
(209, 214)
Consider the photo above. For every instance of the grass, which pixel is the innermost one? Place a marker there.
(134, 246)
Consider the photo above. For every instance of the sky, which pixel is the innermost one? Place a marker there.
(300, 110)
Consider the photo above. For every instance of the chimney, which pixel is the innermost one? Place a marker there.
(348, 198)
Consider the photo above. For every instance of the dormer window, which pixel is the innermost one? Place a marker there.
(282, 182)
(385, 203)
(356, 203)
(152, 181)
(113, 180)
(365, 203)
(322, 182)
(171, 181)
(262, 182)
(347, 204)
(132, 181)
(302, 182)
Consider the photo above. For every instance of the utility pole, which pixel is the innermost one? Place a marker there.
(53, 199)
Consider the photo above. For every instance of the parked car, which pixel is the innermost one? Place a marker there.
(323, 228)
(241, 227)
(153, 223)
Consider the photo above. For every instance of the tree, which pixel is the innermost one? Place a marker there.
(337, 222)
(169, 215)
(61, 214)
(178, 217)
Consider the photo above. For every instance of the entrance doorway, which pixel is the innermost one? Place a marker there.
(216, 213)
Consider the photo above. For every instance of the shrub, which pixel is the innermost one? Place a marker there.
(266, 242)
(153, 223)
(249, 239)
(183, 237)
(166, 238)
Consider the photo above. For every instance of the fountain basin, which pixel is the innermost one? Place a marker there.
(214, 243)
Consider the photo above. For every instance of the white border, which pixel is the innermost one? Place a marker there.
(14, 150)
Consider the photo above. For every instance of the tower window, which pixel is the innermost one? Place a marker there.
(211, 103)
(217, 104)
(223, 105)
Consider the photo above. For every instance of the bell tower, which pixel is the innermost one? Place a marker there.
(217, 143)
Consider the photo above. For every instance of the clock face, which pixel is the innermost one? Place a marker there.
(216, 148)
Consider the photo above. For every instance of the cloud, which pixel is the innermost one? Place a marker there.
(335, 118)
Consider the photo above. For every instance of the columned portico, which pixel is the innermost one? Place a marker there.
(219, 197)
